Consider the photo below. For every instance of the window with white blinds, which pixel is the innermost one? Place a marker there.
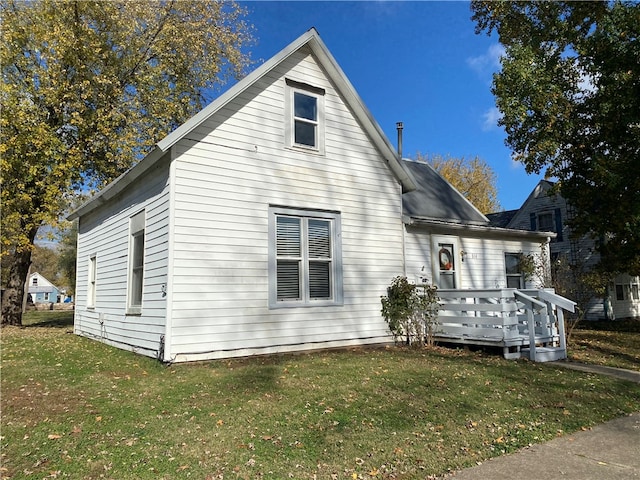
(305, 266)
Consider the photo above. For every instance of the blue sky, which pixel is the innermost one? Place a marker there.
(420, 63)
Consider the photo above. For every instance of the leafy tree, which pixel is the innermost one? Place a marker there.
(569, 93)
(68, 248)
(44, 260)
(88, 88)
(474, 178)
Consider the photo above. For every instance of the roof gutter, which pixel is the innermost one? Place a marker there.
(476, 228)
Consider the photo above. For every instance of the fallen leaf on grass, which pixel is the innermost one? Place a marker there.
(54, 436)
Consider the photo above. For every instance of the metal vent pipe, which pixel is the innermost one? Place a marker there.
(399, 127)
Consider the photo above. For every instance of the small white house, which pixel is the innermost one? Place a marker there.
(42, 290)
(273, 221)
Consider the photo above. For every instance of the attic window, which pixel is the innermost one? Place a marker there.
(545, 222)
(305, 116)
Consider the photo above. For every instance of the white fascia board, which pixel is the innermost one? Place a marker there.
(360, 110)
(118, 184)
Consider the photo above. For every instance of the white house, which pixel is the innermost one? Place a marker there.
(273, 221)
(42, 290)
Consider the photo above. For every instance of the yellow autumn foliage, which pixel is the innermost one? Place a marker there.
(474, 178)
(89, 87)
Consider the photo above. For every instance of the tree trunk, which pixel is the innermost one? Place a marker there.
(13, 298)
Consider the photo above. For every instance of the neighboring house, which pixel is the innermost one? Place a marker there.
(545, 210)
(42, 290)
(273, 221)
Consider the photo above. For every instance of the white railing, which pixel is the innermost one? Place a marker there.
(514, 319)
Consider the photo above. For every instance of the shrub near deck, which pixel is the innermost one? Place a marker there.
(73, 408)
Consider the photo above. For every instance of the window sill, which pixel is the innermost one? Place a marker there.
(300, 304)
(302, 149)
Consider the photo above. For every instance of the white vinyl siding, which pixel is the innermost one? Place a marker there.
(481, 266)
(105, 233)
(225, 185)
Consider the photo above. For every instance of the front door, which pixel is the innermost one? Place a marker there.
(445, 262)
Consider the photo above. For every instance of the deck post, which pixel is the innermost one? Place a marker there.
(563, 339)
(532, 332)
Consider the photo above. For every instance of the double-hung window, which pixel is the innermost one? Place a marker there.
(305, 116)
(136, 263)
(305, 266)
(515, 277)
(91, 293)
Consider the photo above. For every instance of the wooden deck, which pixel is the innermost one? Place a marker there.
(525, 323)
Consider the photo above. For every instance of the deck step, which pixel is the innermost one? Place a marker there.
(545, 354)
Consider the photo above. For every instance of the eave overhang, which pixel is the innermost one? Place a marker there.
(478, 229)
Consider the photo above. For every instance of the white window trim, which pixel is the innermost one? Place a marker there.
(337, 298)
(136, 228)
(291, 88)
(519, 275)
(92, 283)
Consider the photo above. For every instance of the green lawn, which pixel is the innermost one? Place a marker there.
(613, 344)
(75, 408)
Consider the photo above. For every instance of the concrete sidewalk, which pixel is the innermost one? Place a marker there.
(610, 451)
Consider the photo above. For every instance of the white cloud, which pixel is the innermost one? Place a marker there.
(488, 62)
(490, 119)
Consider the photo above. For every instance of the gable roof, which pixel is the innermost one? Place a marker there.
(541, 189)
(310, 39)
(435, 203)
(501, 219)
(43, 285)
(435, 198)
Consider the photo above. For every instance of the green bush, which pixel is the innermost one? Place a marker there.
(411, 311)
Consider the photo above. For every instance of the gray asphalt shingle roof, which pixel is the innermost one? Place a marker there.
(435, 198)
